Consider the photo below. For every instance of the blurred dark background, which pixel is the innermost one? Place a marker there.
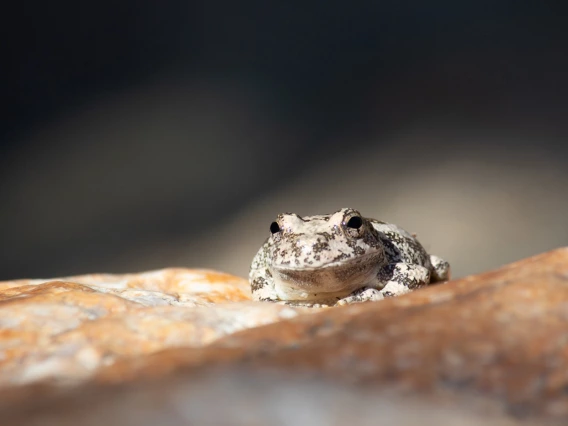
(139, 135)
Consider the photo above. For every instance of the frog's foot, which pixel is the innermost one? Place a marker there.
(364, 294)
(303, 304)
(402, 278)
(441, 269)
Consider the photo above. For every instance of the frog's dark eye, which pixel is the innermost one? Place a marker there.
(274, 227)
(355, 222)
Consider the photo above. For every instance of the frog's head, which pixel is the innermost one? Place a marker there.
(330, 254)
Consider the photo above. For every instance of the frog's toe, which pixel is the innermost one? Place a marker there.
(303, 304)
(441, 269)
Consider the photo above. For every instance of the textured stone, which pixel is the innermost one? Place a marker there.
(501, 334)
(67, 330)
(499, 337)
(172, 286)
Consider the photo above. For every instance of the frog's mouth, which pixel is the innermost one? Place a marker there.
(325, 282)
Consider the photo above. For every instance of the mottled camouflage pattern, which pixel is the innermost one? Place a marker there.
(320, 260)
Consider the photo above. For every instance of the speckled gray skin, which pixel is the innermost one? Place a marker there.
(340, 258)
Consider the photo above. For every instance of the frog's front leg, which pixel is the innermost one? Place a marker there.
(365, 294)
(402, 278)
(394, 279)
(263, 290)
(262, 285)
(304, 304)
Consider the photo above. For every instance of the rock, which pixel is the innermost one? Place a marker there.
(498, 340)
(501, 334)
(249, 397)
(67, 330)
(172, 286)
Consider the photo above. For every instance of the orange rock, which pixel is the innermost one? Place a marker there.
(502, 334)
(67, 330)
(190, 286)
(499, 336)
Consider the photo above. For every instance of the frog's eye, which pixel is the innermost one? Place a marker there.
(355, 222)
(274, 227)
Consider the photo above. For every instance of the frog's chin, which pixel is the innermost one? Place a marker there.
(327, 282)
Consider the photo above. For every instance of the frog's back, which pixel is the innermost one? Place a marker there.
(400, 245)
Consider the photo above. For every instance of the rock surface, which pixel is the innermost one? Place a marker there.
(66, 330)
(246, 398)
(492, 343)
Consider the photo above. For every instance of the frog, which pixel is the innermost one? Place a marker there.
(339, 259)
